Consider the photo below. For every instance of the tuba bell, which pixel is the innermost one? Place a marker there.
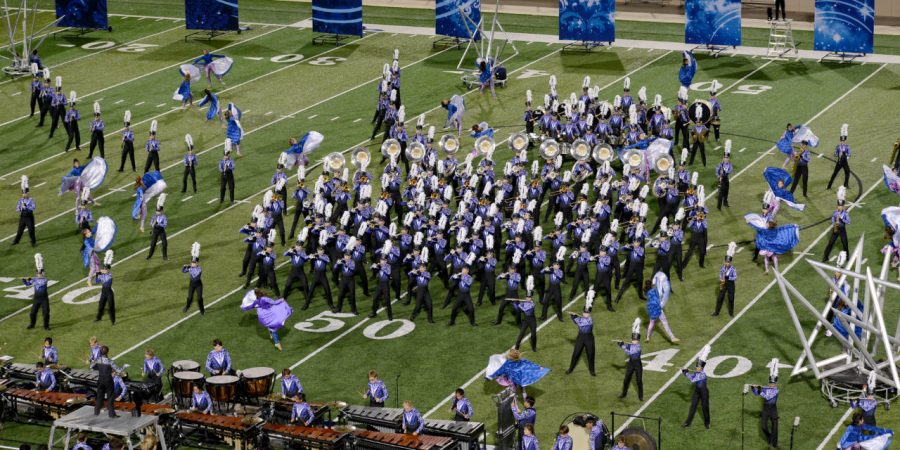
(603, 153)
(518, 142)
(580, 150)
(449, 144)
(415, 152)
(361, 158)
(390, 148)
(484, 145)
(663, 164)
(335, 162)
(634, 158)
(549, 149)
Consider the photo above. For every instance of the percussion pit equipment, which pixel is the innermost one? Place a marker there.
(258, 381)
(306, 437)
(467, 433)
(186, 365)
(382, 419)
(235, 431)
(374, 440)
(223, 390)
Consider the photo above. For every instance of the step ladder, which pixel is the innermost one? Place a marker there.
(781, 39)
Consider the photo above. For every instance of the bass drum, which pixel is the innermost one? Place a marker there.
(638, 439)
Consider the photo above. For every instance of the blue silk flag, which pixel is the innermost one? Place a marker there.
(457, 18)
(587, 20)
(713, 22)
(218, 15)
(338, 17)
(844, 25)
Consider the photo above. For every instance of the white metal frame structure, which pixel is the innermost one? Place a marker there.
(19, 22)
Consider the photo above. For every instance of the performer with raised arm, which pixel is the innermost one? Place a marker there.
(688, 69)
(768, 420)
(107, 296)
(213, 64)
(272, 313)
(456, 109)
(196, 283)
(634, 366)
(39, 300)
(585, 339)
(859, 434)
(701, 391)
(841, 159)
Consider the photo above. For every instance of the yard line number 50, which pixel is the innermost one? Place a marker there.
(327, 322)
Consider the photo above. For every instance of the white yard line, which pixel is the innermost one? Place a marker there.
(734, 319)
(824, 445)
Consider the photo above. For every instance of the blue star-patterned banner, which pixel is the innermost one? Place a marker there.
(82, 14)
(713, 22)
(338, 17)
(217, 15)
(844, 25)
(587, 20)
(450, 18)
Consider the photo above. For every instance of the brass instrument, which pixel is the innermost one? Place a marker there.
(550, 149)
(391, 148)
(721, 284)
(634, 158)
(335, 162)
(580, 150)
(361, 158)
(663, 164)
(415, 152)
(518, 142)
(484, 145)
(603, 153)
(449, 144)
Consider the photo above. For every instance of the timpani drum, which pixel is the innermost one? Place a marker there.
(186, 366)
(258, 381)
(222, 388)
(184, 383)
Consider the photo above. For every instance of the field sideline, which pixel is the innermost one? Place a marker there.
(285, 86)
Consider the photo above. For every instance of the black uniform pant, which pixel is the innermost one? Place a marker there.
(297, 276)
(74, 136)
(842, 234)
(554, 297)
(159, 234)
(722, 198)
(634, 274)
(505, 303)
(127, 152)
(602, 287)
(663, 263)
(698, 146)
(701, 396)
(727, 289)
(252, 268)
(841, 164)
(463, 302)
(267, 278)
(362, 277)
(227, 180)
(779, 4)
(801, 172)
(634, 368)
(382, 294)
(423, 300)
(378, 120)
(40, 302)
(675, 258)
(395, 281)
(196, 287)
(35, 97)
(189, 171)
(45, 109)
(581, 277)
(107, 297)
(152, 160)
(584, 342)
(248, 255)
(97, 140)
(768, 421)
(319, 279)
(26, 220)
(698, 242)
(681, 130)
(488, 285)
(347, 289)
(297, 211)
(57, 113)
(105, 392)
(529, 322)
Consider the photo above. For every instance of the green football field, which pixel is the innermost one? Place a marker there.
(286, 87)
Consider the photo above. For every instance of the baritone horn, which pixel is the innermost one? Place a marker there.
(603, 153)
(518, 142)
(391, 148)
(549, 149)
(335, 162)
(580, 150)
(449, 144)
(415, 152)
(361, 158)
(484, 145)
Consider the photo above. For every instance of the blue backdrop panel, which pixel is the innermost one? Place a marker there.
(82, 14)
(218, 15)
(337, 17)
(713, 22)
(587, 20)
(450, 18)
(844, 25)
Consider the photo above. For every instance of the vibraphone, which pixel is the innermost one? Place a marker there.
(467, 433)
(19, 371)
(281, 410)
(81, 379)
(55, 404)
(238, 432)
(375, 440)
(306, 437)
(382, 419)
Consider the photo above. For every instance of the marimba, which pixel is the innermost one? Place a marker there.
(55, 404)
(467, 433)
(281, 409)
(238, 432)
(383, 419)
(156, 409)
(307, 437)
(375, 440)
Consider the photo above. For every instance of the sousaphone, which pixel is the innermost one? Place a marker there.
(335, 162)
(518, 142)
(449, 144)
(484, 145)
(361, 158)
(391, 149)
(580, 150)
(634, 158)
(663, 164)
(415, 152)
(550, 149)
(603, 153)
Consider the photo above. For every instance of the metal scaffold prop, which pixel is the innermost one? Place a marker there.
(18, 23)
(495, 46)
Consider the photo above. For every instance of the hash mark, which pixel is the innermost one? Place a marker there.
(335, 118)
(357, 120)
(187, 198)
(742, 150)
(210, 202)
(119, 101)
(39, 185)
(17, 93)
(874, 159)
(268, 113)
(313, 116)
(160, 105)
(139, 104)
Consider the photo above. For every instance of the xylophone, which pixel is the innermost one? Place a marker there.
(281, 409)
(375, 440)
(56, 404)
(467, 433)
(306, 437)
(238, 432)
(383, 419)
(156, 409)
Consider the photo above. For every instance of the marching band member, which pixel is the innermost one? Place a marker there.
(107, 296)
(529, 117)
(267, 266)
(526, 417)
(563, 440)
(486, 76)
(46, 97)
(699, 134)
(44, 378)
(867, 405)
(82, 442)
(658, 291)
(383, 289)
(582, 274)
(300, 195)
(585, 339)
(218, 361)
(196, 282)
(158, 223)
(464, 283)
(376, 390)
(701, 391)
(634, 270)
(513, 279)
(347, 285)
(528, 440)
(190, 165)
(39, 300)
(723, 173)
(680, 111)
(83, 214)
(727, 277)
(93, 350)
(25, 207)
(413, 422)
(802, 157)
(840, 218)
(301, 413)
(697, 223)
(597, 435)
(716, 107)
(423, 296)
(768, 420)
(200, 400)
(298, 275)
(152, 147)
(461, 407)
(488, 279)
(226, 174)
(842, 159)
(97, 138)
(49, 354)
(381, 109)
(634, 366)
(320, 262)
(35, 87)
(528, 321)
(120, 391)
(57, 106)
(859, 432)
(127, 143)
(153, 370)
(70, 123)
(290, 384)
(602, 283)
(106, 386)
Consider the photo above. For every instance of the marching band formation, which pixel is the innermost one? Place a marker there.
(439, 215)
